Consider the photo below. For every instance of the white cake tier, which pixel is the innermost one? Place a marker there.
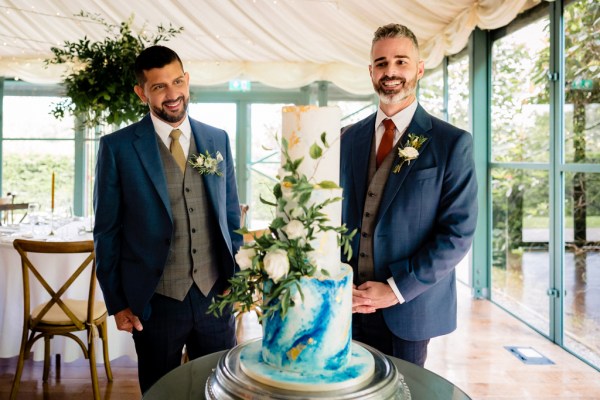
(315, 334)
(303, 126)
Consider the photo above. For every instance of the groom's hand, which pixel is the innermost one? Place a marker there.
(127, 321)
(370, 296)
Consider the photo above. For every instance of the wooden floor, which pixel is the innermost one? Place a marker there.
(473, 358)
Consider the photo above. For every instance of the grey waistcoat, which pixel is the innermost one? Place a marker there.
(192, 255)
(377, 180)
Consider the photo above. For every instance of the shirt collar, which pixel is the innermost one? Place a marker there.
(164, 130)
(401, 119)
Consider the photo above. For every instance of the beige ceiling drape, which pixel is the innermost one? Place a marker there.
(281, 43)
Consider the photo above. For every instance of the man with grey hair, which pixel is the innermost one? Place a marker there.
(410, 190)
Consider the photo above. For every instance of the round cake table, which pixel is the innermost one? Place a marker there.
(188, 381)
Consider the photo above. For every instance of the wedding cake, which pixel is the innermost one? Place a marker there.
(310, 348)
(295, 278)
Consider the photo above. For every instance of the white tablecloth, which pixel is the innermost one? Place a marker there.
(11, 298)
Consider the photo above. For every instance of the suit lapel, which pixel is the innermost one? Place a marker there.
(360, 159)
(204, 143)
(420, 125)
(146, 146)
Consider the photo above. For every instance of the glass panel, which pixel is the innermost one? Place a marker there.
(91, 155)
(520, 258)
(354, 111)
(431, 92)
(458, 93)
(29, 117)
(582, 264)
(219, 115)
(582, 81)
(27, 168)
(265, 160)
(520, 109)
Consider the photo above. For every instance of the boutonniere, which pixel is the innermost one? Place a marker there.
(410, 150)
(205, 164)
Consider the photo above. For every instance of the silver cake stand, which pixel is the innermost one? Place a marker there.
(229, 382)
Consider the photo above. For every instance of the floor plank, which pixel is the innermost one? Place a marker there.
(473, 357)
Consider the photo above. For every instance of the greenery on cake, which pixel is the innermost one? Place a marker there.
(272, 265)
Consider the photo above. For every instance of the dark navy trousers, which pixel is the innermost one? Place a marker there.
(372, 330)
(173, 324)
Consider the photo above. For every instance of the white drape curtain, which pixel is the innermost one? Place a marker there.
(281, 43)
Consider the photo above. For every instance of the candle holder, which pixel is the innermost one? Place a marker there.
(51, 223)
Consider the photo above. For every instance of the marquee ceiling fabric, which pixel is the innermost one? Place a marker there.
(281, 43)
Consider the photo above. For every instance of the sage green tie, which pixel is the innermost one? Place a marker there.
(177, 150)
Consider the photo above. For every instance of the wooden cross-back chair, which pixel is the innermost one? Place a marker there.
(61, 315)
(8, 207)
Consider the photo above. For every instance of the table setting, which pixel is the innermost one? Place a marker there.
(57, 225)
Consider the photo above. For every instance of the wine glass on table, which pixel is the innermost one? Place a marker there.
(32, 215)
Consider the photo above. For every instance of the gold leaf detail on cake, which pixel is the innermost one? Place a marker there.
(294, 140)
(294, 352)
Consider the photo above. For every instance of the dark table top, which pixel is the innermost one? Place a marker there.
(188, 381)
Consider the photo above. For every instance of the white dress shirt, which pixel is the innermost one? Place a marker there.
(164, 130)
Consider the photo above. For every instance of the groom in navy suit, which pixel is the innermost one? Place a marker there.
(164, 232)
(410, 190)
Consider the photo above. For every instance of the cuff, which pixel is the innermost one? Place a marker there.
(392, 284)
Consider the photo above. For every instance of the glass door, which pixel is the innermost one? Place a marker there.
(520, 178)
(581, 219)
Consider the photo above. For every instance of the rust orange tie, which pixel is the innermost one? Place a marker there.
(387, 141)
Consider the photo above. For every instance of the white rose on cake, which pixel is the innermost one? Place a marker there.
(244, 257)
(294, 230)
(276, 264)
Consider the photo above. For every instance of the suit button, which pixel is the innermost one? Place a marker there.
(367, 214)
(195, 271)
(363, 254)
(168, 242)
(194, 251)
(193, 230)
(187, 190)
(191, 209)
(365, 234)
(371, 194)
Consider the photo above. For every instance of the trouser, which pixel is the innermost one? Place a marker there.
(173, 324)
(372, 330)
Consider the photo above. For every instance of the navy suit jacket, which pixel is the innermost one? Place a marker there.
(134, 225)
(425, 222)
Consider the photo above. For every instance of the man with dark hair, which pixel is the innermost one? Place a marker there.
(410, 190)
(164, 232)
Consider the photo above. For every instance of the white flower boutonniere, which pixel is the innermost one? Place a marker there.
(205, 164)
(410, 150)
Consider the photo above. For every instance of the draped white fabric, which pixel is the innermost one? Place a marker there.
(281, 43)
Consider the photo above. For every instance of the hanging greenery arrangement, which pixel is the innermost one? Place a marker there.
(100, 79)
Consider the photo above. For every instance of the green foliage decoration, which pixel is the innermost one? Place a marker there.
(100, 79)
(292, 201)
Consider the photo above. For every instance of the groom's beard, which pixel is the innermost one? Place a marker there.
(396, 96)
(167, 116)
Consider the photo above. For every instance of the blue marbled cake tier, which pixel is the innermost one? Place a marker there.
(360, 368)
(315, 334)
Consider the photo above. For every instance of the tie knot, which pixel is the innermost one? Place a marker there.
(389, 124)
(175, 133)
